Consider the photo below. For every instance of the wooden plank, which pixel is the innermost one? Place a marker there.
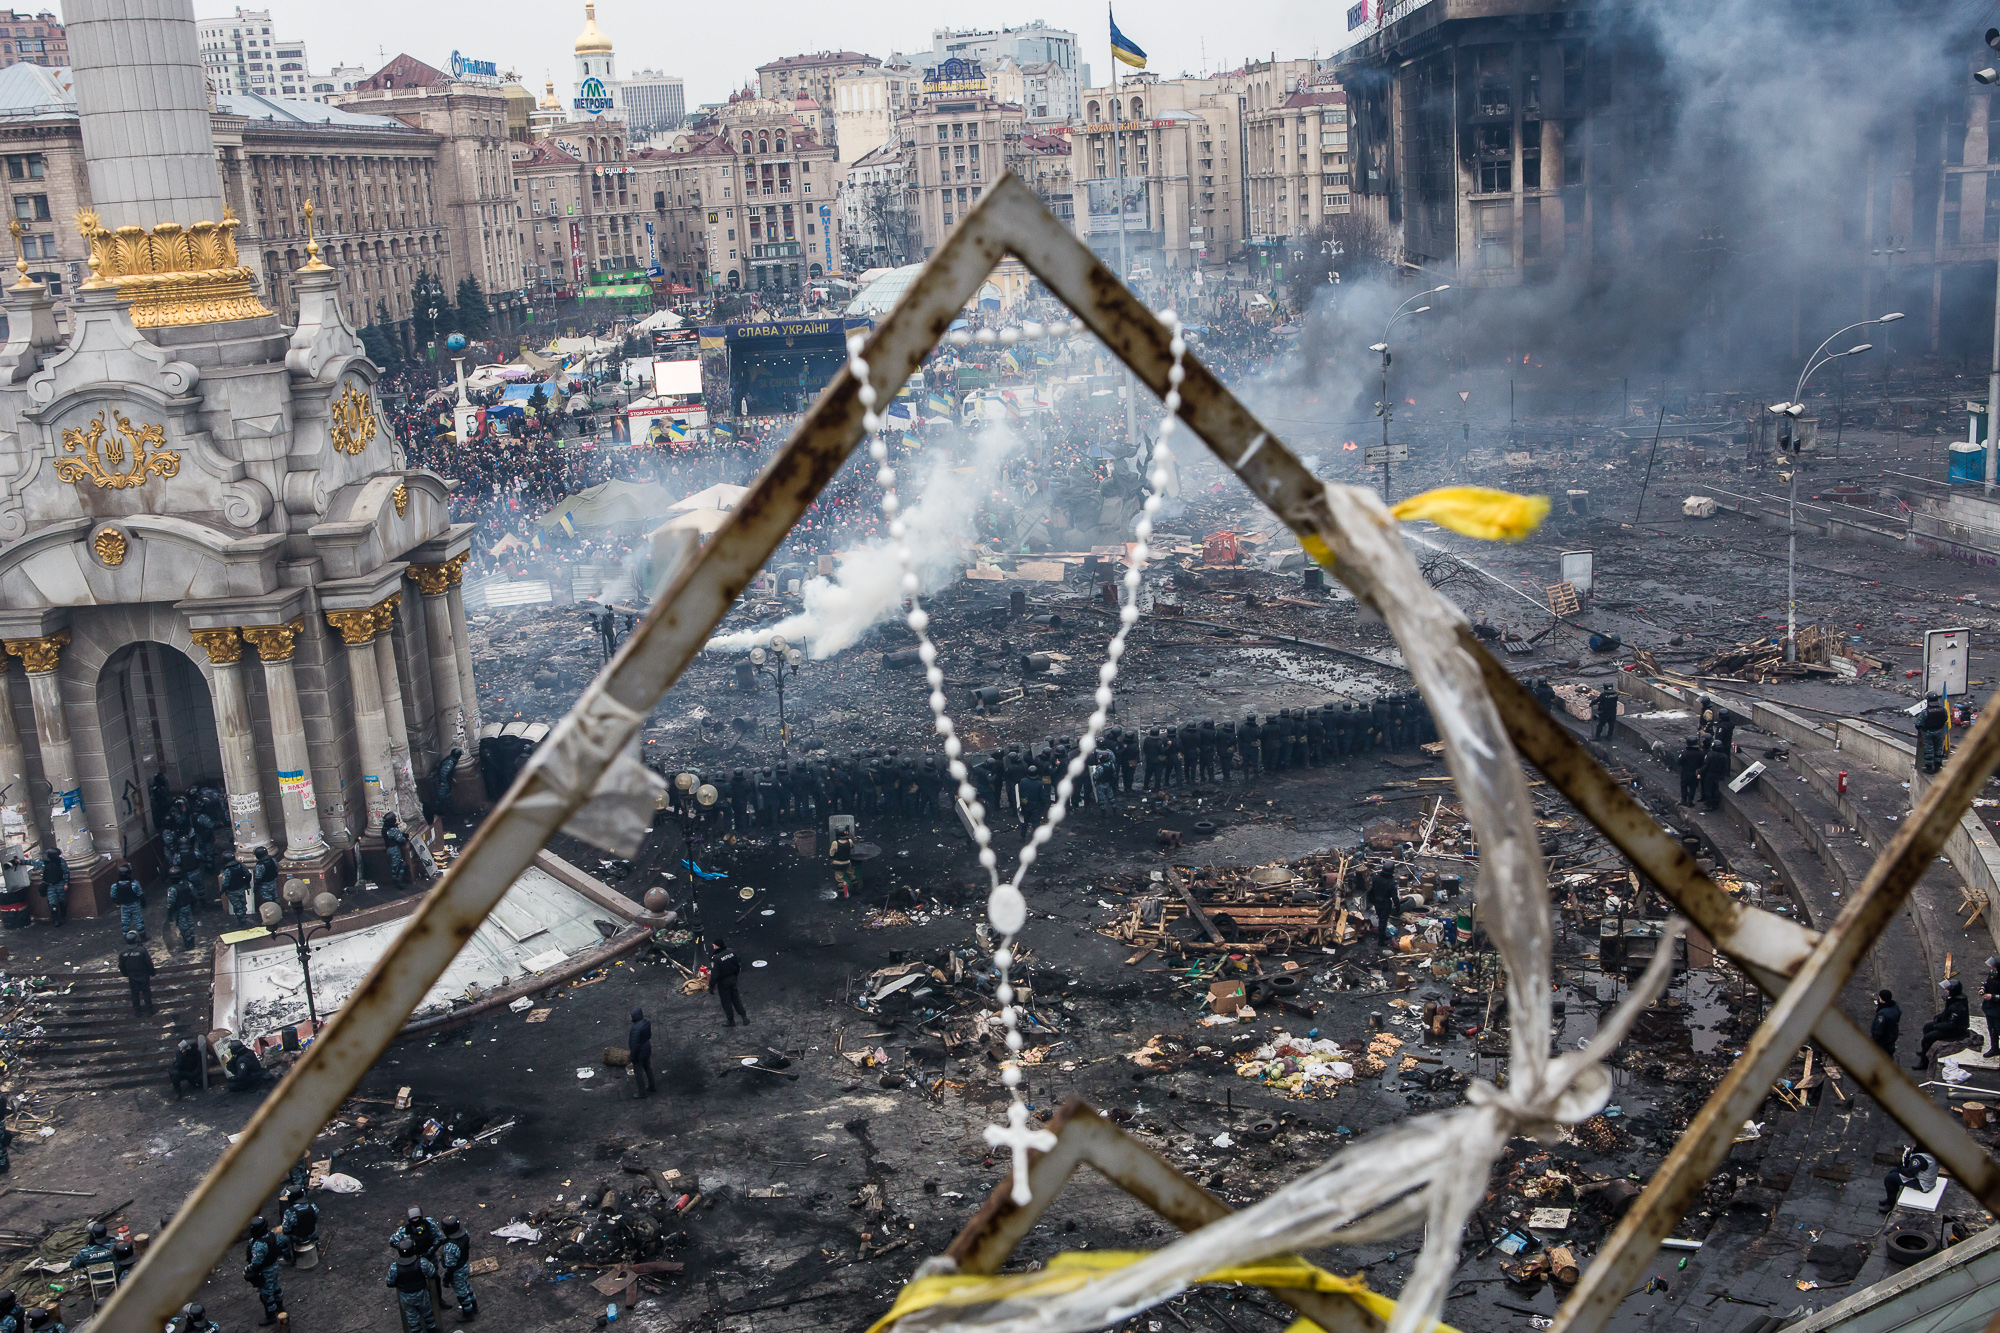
(1201, 917)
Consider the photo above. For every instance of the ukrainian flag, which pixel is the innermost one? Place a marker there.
(568, 524)
(911, 442)
(722, 430)
(938, 405)
(676, 432)
(1125, 49)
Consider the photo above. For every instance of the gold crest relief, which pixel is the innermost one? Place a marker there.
(110, 547)
(105, 464)
(353, 421)
(401, 495)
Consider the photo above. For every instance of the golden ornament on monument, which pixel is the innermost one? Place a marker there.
(401, 495)
(110, 547)
(104, 463)
(353, 422)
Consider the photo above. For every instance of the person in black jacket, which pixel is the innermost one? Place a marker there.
(1953, 1022)
(1688, 764)
(136, 964)
(723, 969)
(1714, 771)
(639, 1043)
(1382, 898)
(441, 777)
(1605, 709)
(185, 1074)
(1933, 725)
(55, 885)
(1887, 1028)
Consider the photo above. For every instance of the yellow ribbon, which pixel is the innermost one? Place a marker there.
(1073, 1270)
(1477, 511)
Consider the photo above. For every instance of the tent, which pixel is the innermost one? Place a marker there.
(720, 496)
(607, 505)
(659, 319)
(702, 521)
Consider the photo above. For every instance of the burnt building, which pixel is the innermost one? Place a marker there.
(1611, 175)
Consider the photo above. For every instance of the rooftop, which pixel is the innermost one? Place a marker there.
(819, 58)
(405, 71)
(31, 91)
(292, 111)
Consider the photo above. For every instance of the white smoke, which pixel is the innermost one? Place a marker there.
(867, 584)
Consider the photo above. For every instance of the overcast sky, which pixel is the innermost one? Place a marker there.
(718, 48)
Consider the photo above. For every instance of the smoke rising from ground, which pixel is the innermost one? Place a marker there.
(1742, 158)
(867, 584)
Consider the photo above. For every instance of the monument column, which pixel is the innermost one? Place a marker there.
(41, 657)
(142, 106)
(439, 583)
(468, 687)
(236, 740)
(408, 802)
(17, 820)
(371, 729)
(274, 645)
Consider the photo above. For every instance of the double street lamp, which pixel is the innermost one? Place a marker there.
(1382, 409)
(1793, 443)
(781, 660)
(323, 905)
(690, 791)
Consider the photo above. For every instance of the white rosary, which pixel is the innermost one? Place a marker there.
(1006, 907)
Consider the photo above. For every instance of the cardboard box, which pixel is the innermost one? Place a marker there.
(1225, 997)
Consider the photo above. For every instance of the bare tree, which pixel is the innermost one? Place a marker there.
(1353, 245)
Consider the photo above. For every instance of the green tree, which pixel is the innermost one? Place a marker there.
(475, 319)
(430, 309)
(378, 342)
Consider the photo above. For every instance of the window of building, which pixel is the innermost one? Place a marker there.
(1495, 234)
(25, 167)
(31, 207)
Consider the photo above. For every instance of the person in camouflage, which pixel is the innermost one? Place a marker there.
(454, 1261)
(411, 1277)
(260, 1270)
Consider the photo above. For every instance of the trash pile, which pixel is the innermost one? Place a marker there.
(24, 1003)
(1823, 651)
(1301, 1066)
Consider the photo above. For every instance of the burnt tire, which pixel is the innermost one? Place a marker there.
(1908, 1247)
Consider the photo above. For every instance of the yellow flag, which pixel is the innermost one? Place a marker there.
(1476, 511)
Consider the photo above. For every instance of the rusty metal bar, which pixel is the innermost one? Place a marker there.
(557, 783)
(1811, 992)
(1085, 1138)
(1767, 946)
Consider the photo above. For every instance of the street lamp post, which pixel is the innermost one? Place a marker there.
(1792, 411)
(1382, 409)
(690, 792)
(323, 906)
(783, 659)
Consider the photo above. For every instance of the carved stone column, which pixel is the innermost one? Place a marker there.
(236, 740)
(274, 645)
(17, 816)
(439, 584)
(371, 729)
(468, 687)
(408, 803)
(72, 830)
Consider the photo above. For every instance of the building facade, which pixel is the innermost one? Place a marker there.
(874, 211)
(470, 122)
(374, 182)
(1184, 201)
(954, 147)
(240, 55)
(653, 102)
(216, 564)
(33, 39)
(814, 75)
(1058, 97)
(579, 208)
(754, 192)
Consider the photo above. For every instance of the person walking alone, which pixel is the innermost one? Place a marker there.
(723, 969)
(639, 1046)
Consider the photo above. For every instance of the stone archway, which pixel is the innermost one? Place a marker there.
(157, 715)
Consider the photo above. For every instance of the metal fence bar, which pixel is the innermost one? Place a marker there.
(557, 783)
(1812, 991)
(1767, 946)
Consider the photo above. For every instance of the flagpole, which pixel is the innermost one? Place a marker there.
(1124, 265)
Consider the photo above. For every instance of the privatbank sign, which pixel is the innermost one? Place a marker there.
(591, 99)
(467, 70)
